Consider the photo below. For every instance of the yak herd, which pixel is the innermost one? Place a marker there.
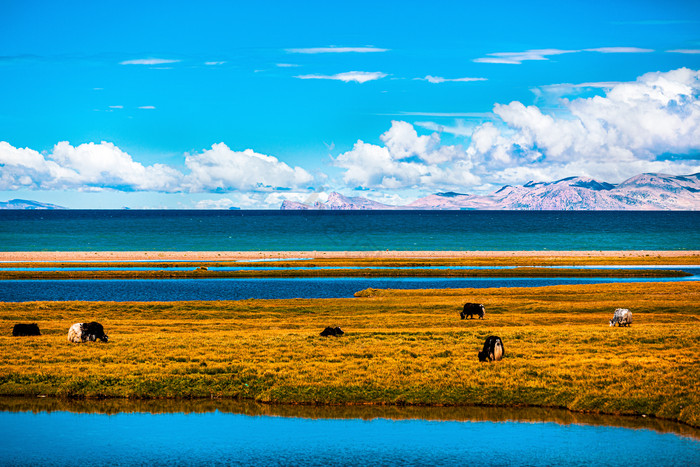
(493, 349)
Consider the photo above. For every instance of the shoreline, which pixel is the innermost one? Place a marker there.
(57, 256)
(365, 410)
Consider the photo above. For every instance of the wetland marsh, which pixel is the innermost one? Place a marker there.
(403, 347)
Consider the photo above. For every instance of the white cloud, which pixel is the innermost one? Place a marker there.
(619, 50)
(357, 76)
(147, 107)
(517, 58)
(613, 136)
(439, 79)
(116, 106)
(287, 65)
(96, 167)
(684, 51)
(86, 167)
(326, 50)
(222, 169)
(406, 161)
(648, 125)
(223, 203)
(214, 63)
(148, 61)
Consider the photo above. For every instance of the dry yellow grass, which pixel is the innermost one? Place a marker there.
(400, 347)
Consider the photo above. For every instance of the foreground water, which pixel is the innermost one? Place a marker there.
(241, 289)
(219, 435)
(104, 230)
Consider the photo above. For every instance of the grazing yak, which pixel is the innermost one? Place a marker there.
(493, 350)
(471, 309)
(22, 329)
(335, 332)
(84, 332)
(622, 317)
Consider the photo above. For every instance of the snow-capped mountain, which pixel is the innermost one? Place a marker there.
(27, 204)
(642, 192)
(336, 201)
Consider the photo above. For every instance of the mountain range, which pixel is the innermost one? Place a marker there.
(27, 204)
(641, 192)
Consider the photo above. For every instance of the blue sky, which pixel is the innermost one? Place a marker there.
(217, 104)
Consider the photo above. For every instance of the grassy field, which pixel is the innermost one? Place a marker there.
(400, 347)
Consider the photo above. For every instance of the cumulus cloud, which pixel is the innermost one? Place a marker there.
(406, 161)
(648, 125)
(222, 169)
(357, 76)
(684, 51)
(85, 167)
(337, 50)
(613, 136)
(439, 79)
(97, 167)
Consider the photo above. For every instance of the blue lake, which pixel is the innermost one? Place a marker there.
(224, 438)
(154, 230)
(241, 289)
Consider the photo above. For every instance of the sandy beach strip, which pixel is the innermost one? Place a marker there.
(58, 256)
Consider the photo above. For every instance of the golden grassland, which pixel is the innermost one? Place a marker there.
(401, 347)
(206, 273)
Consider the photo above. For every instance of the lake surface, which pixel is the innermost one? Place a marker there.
(168, 230)
(339, 436)
(241, 289)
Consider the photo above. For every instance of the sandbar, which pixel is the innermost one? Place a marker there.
(57, 256)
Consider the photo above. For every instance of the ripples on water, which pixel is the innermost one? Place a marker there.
(324, 436)
(104, 230)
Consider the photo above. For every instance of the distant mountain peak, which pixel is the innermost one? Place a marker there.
(27, 204)
(641, 192)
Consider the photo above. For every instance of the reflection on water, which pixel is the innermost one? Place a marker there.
(364, 412)
(49, 431)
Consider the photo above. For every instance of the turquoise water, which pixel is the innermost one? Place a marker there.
(216, 438)
(78, 230)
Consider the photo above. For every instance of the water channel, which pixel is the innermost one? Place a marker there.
(241, 289)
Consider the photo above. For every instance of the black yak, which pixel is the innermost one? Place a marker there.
(335, 332)
(471, 309)
(22, 329)
(493, 350)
